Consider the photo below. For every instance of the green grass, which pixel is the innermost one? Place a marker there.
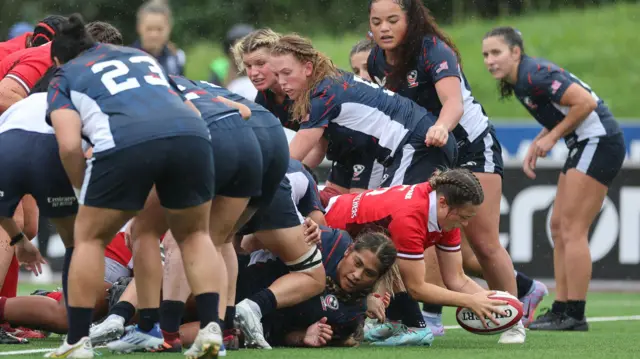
(599, 45)
(613, 339)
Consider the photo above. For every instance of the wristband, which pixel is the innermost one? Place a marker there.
(16, 239)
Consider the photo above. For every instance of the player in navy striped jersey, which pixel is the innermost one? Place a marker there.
(415, 58)
(347, 117)
(142, 135)
(567, 108)
(252, 54)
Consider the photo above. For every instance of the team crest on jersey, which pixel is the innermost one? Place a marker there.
(357, 170)
(412, 79)
(527, 101)
(329, 302)
(555, 86)
(379, 81)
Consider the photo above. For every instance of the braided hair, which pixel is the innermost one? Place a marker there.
(47, 29)
(302, 50)
(458, 186)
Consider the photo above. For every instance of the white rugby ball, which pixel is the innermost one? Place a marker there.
(513, 309)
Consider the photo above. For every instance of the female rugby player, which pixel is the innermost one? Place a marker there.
(450, 199)
(424, 65)
(129, 158)
(252, 54)
(567, 108)
(346, 117)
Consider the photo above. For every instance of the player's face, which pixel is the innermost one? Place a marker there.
(358, 270)
(293, 76)
(388, 23)
(499, 59)
(154, 31)
(451, 218)
(258, 69)
(359, 64)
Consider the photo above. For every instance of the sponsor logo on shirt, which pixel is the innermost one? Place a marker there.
(443, 66)
(527, 101)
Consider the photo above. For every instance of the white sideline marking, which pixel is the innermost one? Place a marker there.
(590, 320)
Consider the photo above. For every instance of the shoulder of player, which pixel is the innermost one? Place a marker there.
(431, 43)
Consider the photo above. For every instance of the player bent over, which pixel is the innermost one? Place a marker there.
(142, 135)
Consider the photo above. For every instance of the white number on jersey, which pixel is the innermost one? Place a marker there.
(121, 69)
(371, 84)
(189, 96)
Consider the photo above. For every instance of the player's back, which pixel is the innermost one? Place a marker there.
(260, 116)
(124, 98)
(211, 109)
(16, 44)
(27, 114)
(27, 66)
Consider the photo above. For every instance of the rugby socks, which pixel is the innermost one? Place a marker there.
(68, 253)
(148, 318)
(171, 312)
(79, 323)
(558, 307)
(524, 283)
(432, 308)
(124, 310)
(207, 306)
(266, 301)
(405, 308)
(229, 315)
(575, 309)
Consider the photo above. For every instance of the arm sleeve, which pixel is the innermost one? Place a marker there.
(58, 96)
(449, 241)
(554, 82)
(439, 60)
(408, 236)
(323, 108)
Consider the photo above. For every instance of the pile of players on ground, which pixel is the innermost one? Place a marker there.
(127, 161)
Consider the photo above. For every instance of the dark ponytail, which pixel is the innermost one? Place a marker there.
(420, 23)
(72, 40)
(47, 29)
(513, 38)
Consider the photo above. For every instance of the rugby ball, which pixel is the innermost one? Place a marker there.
(513, 309)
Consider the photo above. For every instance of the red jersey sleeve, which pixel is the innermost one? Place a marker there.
(31, 66)
(449, 241)
(409, 235)
(16, 44)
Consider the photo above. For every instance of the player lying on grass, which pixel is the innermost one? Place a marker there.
(418, 217)
(47, 311)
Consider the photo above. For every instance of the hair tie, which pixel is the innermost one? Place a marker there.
(47, 27)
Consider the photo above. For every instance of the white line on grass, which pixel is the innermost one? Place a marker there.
(591, 320)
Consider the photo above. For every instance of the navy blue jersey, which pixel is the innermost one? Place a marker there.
(343, 316)
(211, 109)
(267, 99)
(256, 110)
(540, 87)
(435, 62)
(123, 97)
(361, 116)
(303, 188)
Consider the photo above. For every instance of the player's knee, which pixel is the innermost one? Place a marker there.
(573, 230)
(487, 249)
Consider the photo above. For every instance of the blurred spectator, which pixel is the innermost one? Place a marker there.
(224, 71)
(19, 29)
(154, 28)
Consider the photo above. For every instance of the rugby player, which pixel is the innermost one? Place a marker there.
(143, 134)
(566, 108)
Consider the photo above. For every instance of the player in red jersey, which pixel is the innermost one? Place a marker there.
(418, 217)
(42, 33)
(22, 68)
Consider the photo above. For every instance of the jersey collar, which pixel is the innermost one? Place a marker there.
(433, 225)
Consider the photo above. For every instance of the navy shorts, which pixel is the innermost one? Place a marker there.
(365, 174)
(30, 164)
(600, 158)
(239, 168)
(280, 213)
(181, 168)
(275, 161)
(484, 155)
(415, 163)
